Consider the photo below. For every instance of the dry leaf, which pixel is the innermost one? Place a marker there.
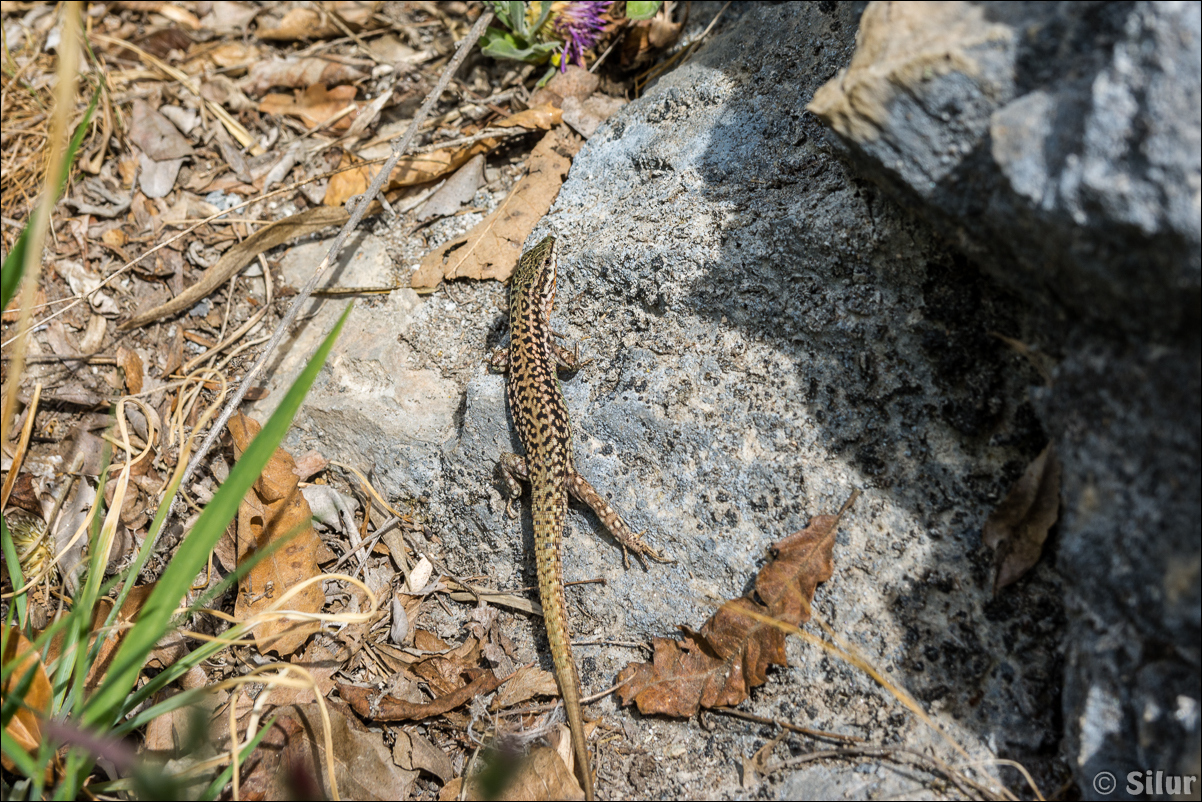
(719, 665)
(412, 751)
(409, 171)
(290, 762)
(179, 15)
(445, 672)
(314, 106)
(295, 73)
(574, 82)
(221, 90)
(127, 615)
(586, 117)
(525, 683)
(540, 775)
(545, 117)
(131, 364)
(12, 312)
(312, 23)
(25, 726)
(310, 464)
(157, 178)
(1018, 527)
(647, 38)
(274, 508)
(804, 559)
(492, 248)
(226, 16)
(157, 137)
(459, 189)
(233, 54)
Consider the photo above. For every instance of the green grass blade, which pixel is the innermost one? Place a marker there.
(105, 706)
(14, 570)
(21, 759)
(225, 776)
(206, 650)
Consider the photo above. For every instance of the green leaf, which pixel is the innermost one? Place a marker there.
(642, 9)
(517, 18)
(502, 44)
(543, 13)
(106, 707)
(14, 263)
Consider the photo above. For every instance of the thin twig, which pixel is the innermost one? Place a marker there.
(787, 725)
(360, 208)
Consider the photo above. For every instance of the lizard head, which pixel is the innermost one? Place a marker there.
(536, 272)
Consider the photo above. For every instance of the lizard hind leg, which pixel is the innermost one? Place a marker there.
(513, 472)
(581, 490)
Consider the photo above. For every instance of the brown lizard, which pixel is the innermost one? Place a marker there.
(540, 415)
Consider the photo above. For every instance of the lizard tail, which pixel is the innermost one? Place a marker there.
(550, 505)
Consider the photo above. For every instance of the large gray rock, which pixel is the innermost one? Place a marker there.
(1059, 146)
(769, 331)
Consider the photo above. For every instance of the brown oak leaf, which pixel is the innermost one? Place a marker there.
(719, 665)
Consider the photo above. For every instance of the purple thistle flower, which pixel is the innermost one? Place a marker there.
(581, 25)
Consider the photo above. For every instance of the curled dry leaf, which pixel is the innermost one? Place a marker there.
(730, 655)
(131, 364)
(525, 683)
(1018, 527)
(296, 73)
(313, 23)
(544, 117)
(25, 726)
(409, 171)
(315, 105)
(492, 248)
(274, 509)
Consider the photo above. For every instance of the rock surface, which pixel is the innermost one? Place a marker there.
(1060, 146)
(769, 331)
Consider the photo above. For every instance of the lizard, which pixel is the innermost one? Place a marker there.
(540, 415)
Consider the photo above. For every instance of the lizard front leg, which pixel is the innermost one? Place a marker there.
(565, 361)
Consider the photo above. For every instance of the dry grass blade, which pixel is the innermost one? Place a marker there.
(22, 444)
(60, 130)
